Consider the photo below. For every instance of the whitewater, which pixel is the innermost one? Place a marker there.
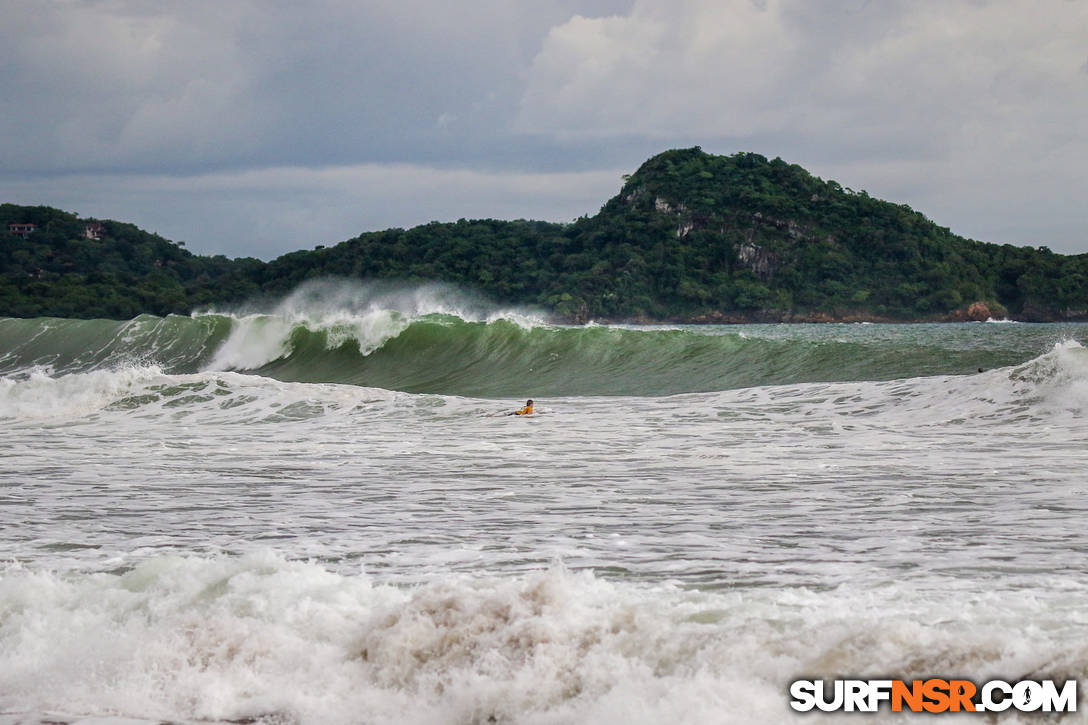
(314, 510)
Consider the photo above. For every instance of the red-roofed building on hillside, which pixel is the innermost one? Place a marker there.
(23, 230)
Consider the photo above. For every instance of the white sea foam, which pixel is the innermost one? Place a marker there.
(221, 546)
(138, 393)
(37, 394)
(1051, 386)
(1057, 381)
(232, 638)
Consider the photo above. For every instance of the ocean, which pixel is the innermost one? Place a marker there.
(316, 511)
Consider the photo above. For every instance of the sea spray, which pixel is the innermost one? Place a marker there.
(336, 299)
(349, 312)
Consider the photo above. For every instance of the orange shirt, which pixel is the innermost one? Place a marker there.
(524, 411)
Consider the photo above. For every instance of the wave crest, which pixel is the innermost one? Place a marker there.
(344, 312)
(437, 339)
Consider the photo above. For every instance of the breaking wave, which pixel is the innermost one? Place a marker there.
(434, 339)
(262, 639)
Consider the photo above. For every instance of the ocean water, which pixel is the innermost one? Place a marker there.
(317, 512)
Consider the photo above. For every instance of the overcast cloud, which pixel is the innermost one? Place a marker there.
(256, 127)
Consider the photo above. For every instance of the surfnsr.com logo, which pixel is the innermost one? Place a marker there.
(934, 695)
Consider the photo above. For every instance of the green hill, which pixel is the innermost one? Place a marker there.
(59, 269)
(690, 236)
(743, 234)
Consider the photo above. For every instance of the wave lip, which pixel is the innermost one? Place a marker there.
(342, 313)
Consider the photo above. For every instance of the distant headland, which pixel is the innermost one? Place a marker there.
(690, 237)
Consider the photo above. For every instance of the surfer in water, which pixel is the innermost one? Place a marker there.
(527, 410)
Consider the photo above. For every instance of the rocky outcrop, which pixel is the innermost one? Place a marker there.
(979, 311)
(792, 229)
(762, 262)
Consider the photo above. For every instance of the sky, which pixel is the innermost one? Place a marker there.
(258, 127)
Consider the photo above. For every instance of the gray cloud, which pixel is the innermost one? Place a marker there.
(269, 211)
(933, 103)
(131, 84)
(919, 78)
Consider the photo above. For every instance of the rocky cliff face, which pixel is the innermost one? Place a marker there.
(761, 262)
(756, 258)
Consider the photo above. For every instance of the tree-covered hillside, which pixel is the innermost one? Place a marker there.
(60, 270)
(741, 233)
(690, 236)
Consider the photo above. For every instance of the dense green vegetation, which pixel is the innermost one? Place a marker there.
(57, 271)
(690, 236)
